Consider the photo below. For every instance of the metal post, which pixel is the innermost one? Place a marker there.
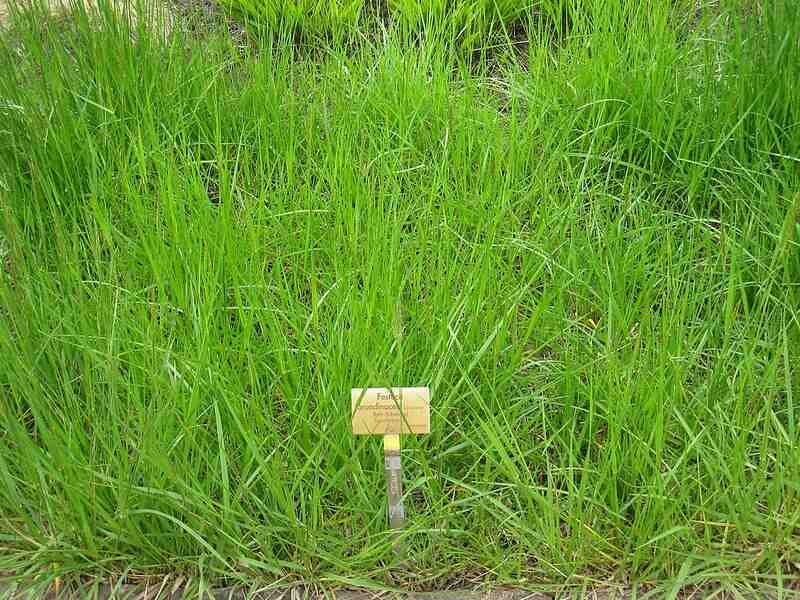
(394, 483)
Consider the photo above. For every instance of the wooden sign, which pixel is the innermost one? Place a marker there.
(382, 411)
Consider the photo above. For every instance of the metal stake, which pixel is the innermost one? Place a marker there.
(394, 484)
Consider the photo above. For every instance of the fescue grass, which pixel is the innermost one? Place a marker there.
(586, 244)
(463, 20)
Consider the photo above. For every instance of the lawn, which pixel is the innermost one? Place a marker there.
(579, 226)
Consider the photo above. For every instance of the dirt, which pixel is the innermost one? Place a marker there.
(63, 7)
(170, 590)
(54, 5)
(167, 592)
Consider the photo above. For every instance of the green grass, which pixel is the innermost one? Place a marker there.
(588, 248)
(472, 25)
(335, 17)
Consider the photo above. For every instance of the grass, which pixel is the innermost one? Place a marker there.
(586, 244)
(468, 21)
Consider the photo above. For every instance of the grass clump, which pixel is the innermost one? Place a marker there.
(591, 256)
(465, 24)
(313, 18)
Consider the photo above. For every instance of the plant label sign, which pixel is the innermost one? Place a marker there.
(391, 412)
(384, 411)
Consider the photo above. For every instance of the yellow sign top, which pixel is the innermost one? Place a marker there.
(382, 411)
